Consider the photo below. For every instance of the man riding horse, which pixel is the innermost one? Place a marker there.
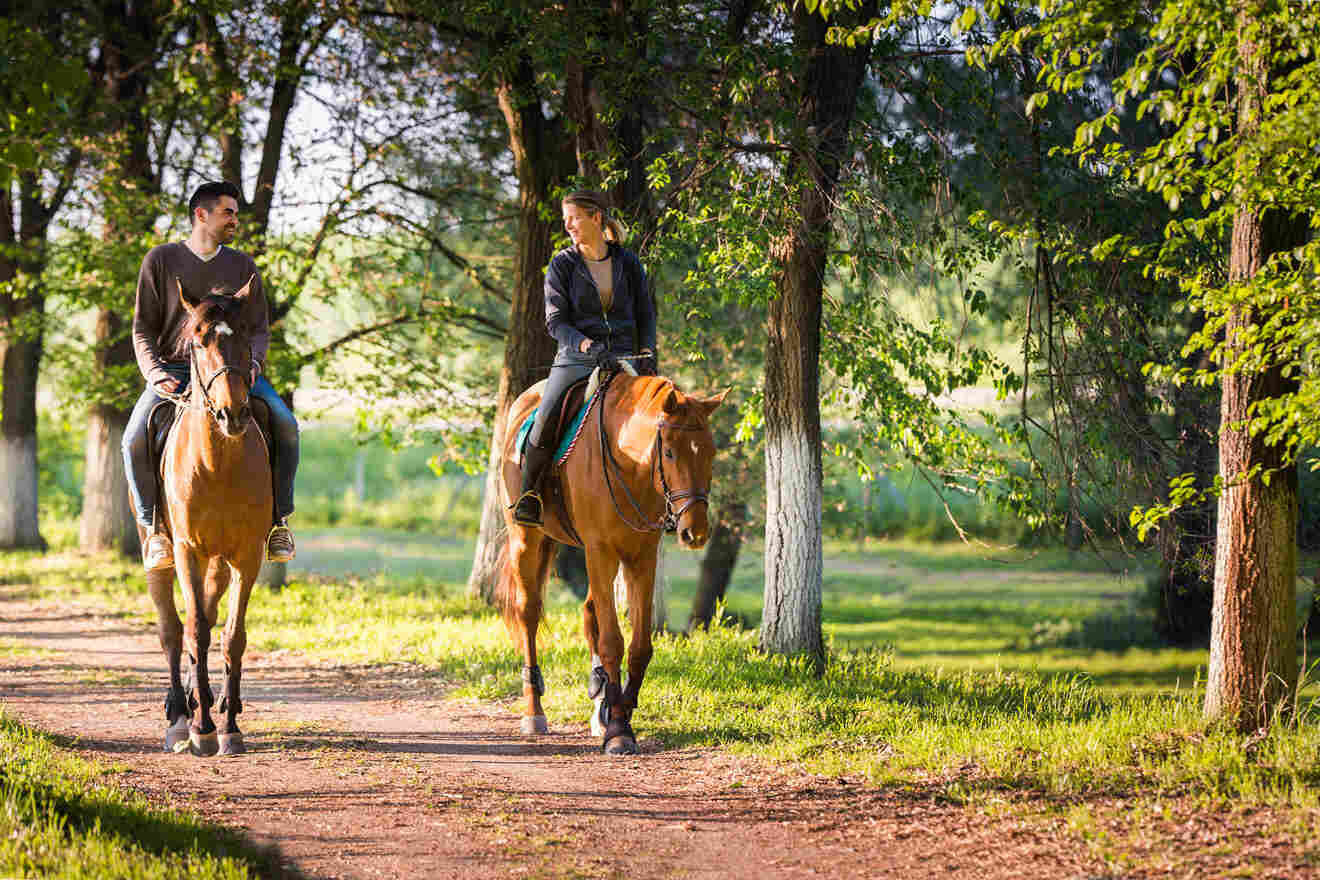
(201, 265)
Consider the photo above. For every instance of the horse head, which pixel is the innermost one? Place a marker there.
(686, 449)
(217, 342)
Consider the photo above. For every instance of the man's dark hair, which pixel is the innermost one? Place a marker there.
(209, 193)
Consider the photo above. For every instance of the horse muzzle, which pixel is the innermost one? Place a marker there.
(233, 421)
(693, 531)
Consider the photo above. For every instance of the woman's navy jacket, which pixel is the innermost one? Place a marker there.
(573, 309)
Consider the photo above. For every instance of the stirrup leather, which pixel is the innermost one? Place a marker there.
(283, 535)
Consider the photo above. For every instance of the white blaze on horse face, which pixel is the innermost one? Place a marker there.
(223, 329)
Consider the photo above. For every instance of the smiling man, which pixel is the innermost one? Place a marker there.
(202, 265)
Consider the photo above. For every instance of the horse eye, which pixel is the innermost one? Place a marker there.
(669, 453)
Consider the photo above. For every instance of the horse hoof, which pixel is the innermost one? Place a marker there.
(531, 725)
(600, 717)
(232, 743)
(621, 745)
(176, 735)
(204, 745)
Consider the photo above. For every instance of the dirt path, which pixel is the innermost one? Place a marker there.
(356, 773)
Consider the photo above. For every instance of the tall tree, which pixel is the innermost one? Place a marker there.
(128, 57)
(1253, 653)
(543, 160)
(1235, 91)
(556, 132)
(830, 79)
(38, 162)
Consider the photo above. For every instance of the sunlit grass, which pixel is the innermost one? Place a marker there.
(59, 818)
(932, 677)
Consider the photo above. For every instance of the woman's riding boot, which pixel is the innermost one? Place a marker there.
(527, 509)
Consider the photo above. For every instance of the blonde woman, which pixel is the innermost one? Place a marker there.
(597, 308)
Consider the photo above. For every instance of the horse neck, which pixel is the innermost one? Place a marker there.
(636, 462)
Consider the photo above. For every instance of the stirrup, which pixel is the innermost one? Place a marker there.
(521, 516)
(280, 535)
(157, 552)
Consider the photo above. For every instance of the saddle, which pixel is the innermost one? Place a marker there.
(565, 427)
(161, 421)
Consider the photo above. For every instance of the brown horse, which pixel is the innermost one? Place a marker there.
(217, 502)
(642, 463)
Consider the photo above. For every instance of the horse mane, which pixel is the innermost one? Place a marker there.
(651, 401)
(211, 311)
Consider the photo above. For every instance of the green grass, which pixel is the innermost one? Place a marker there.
(953, 703)
(60, 818)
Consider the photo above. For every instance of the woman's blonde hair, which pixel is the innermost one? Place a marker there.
(598, 203)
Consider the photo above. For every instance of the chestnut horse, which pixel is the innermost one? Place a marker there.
(217, 502)
(641, 463)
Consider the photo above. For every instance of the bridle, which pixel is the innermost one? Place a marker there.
(205, 387)
(668, 520)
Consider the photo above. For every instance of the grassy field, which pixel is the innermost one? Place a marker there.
(939, 662)
(948, 606)
(61, 818)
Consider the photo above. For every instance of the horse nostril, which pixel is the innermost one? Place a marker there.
(686, 536)
(244, 411)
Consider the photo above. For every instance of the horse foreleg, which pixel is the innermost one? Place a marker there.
(160, 584)
(607, 721)
(639, 574)
(231, 703)
(197, 636)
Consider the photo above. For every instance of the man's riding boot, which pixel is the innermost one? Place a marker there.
(527, 509)
(279, 543)
(157, 549)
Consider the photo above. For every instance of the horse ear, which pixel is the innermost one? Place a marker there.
(189, 304)
(671, 402)
(708, 405)
(246, 290)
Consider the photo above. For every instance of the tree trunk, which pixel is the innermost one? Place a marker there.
(128, 187)
(543, 157)
(1187, 543)
(107, 520)
(717, 563)
(274, 575)
(793, 556)
(20, 358)
(1253, 643)
(1253, 651)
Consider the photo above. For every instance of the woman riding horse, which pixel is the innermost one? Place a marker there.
(598, 309)
(640, 465)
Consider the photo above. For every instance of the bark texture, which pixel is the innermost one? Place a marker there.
(1253, 650)
(831, 78)
(21, 308)
(717, 563)
(543, 157)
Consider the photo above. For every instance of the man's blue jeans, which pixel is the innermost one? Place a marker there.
(137, 451)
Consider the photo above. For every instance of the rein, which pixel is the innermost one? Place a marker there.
(668, 520)
(205, 387)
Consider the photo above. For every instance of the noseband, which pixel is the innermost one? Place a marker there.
(205, 387)
(668, 521)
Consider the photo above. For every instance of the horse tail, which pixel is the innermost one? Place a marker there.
(506, 589)
(522, 607)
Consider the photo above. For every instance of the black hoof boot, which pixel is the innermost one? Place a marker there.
(619, 738)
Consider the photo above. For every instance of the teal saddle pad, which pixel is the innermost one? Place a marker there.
(569, 433)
